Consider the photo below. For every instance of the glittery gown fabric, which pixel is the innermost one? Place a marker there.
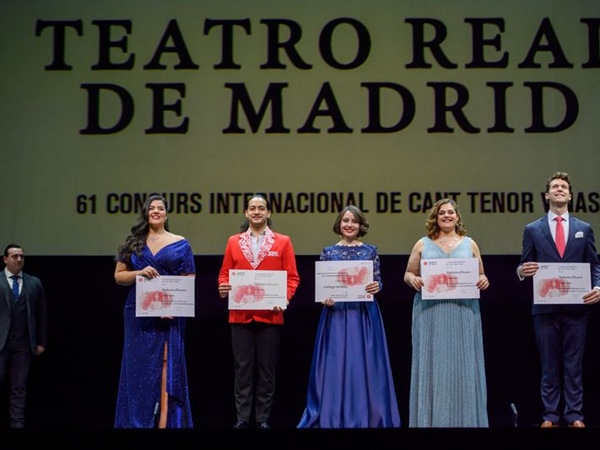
(350, 383)
(448, 384)
(144, 339)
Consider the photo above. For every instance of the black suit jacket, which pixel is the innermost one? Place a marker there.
(538, 246)
(35, 299)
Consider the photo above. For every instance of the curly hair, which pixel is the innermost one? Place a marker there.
(433, 230)
(358, 214)
(559, 176)
(135, 241)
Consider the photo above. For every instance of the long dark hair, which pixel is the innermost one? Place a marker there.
(245, 224)
(135, 241)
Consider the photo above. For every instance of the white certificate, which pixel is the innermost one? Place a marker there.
(343, 281)
(555, 283)
(449, 278)
(257, 289)
(164, 295)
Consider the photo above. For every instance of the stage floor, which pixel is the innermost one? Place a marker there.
(282, 439)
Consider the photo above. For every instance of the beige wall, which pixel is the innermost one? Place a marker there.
(67, 190)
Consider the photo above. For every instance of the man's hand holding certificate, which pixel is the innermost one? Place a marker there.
(257, 289)
(164, 296)
(556, 283)
(449, 278)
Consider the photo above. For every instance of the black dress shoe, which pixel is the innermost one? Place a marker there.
(241, 425)
(263, 426)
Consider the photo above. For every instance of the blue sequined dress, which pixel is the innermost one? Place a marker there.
(144, 340)
(350, 383)
(448, 384)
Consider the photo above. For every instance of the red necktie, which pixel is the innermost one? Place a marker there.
(560, 236)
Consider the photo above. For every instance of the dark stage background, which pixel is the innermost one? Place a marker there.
(74, 384)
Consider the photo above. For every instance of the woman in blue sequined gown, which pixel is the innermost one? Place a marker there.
(350, 383)
(448, 384)
(153, 387)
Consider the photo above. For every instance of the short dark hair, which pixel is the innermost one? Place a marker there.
(9, 246)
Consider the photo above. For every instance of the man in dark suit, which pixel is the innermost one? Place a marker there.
(23, 329)
(560, 329)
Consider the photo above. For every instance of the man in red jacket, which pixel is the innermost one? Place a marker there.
(255, 333)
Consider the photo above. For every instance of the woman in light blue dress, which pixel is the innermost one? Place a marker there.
(448, 384)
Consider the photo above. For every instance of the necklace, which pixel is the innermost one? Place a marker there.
(153, 239)
(449, 244)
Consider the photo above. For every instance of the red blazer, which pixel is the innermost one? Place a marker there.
(276, 253)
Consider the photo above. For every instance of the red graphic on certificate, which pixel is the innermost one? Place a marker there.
(245, 294)
(441, 283)
(553, 287)
(353, 276)
(155, 300)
